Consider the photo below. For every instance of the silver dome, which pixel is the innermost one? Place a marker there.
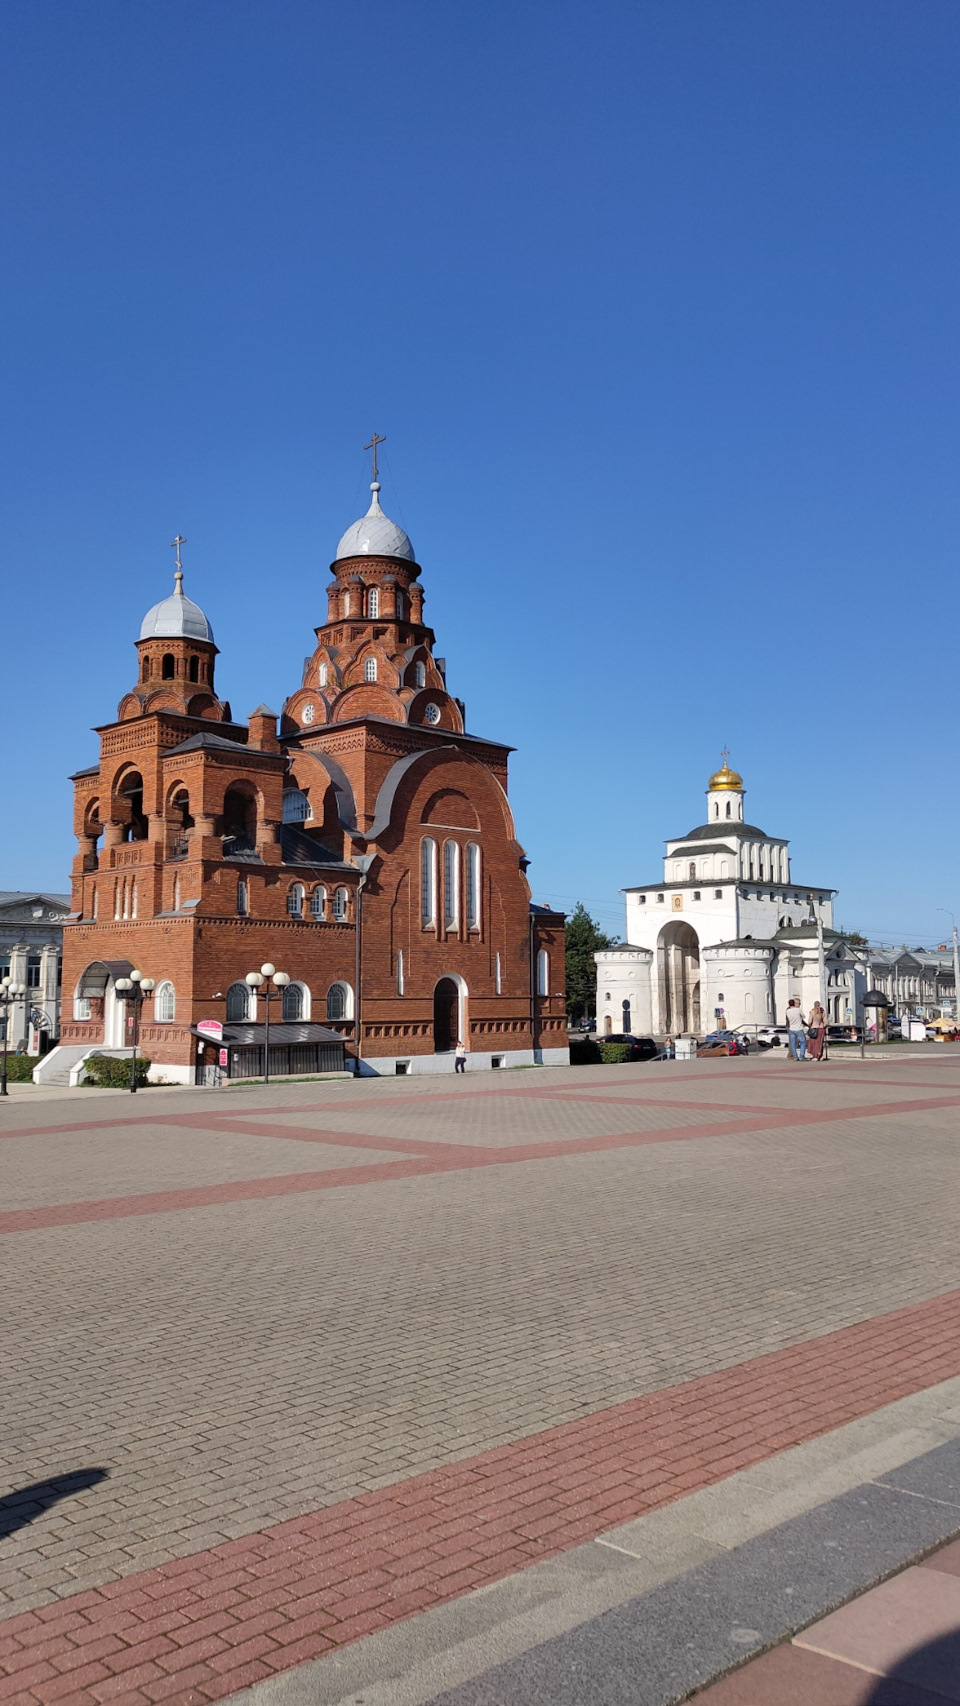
(176, 617)
(375, 535)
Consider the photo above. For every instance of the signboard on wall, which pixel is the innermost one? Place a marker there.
(212, 1029)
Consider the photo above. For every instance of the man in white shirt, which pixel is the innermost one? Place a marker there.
(796, 1029)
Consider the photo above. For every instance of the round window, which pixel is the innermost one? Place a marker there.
(307, 714)
(432, 713)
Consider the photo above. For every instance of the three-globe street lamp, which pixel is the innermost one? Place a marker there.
(10, 994)
(280, 979)
(134, 988)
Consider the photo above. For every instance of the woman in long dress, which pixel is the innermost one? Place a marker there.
(817, 1033)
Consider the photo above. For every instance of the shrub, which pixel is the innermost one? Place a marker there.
(110, 1073)
(20, 1067)
(614, 1054)
(584, 1052)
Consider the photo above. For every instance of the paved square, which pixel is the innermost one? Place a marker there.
(349, 1349)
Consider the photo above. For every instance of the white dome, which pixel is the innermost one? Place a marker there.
(176, 617)
(375, 535)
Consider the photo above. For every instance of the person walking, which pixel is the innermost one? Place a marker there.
(817, 1033)
(460, 1056)
(795, 1030)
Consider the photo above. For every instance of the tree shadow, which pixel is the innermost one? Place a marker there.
(929, 1676)
(19, 1509)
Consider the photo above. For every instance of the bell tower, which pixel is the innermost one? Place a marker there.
(176, 654)
(725, 793)
(374, 654)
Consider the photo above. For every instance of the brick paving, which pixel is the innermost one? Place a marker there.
(357, 1398)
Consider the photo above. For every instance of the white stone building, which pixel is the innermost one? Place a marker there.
(727, 936)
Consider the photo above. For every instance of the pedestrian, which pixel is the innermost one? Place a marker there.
(460, 1056)
(668, 1049)
(817, 1032)
(795, 1027)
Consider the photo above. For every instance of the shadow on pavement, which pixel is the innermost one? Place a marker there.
(19, 1509)
(929, 1676)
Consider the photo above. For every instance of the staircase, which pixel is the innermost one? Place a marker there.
(55, 1067)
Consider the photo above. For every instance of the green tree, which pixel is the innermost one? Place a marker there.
(583, 939)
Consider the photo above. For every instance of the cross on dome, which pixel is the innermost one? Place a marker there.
(375, 535)
(725, 780)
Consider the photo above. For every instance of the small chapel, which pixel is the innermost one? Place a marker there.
(726, 936)
(361, 844)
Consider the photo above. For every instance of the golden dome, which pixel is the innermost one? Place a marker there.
(725, 779)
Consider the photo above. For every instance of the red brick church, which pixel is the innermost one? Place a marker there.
(365, 848)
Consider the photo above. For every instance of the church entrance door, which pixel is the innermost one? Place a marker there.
(446, 1016)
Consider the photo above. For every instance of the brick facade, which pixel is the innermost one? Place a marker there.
(187, 868)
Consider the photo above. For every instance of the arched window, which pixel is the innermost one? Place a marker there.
(473, 886)
(420, 674)
(243, 898)
(145, 670)
(340, 905)
(194, 669)
(728, 808)
(373, 601)
(318, 902)
(322, 675)
(716, 809)
(81, 1006)
(346, 604)
(692, 869)
(95, 906)
(176, 894)
(400, 605)
(339, 1001)
(133, 900)
(293, 1002)
(543, 972)
(240, 1002)
(295, 901)
(296, 806)
(451, 884)
(168, 668)
(370, 669)
(428, 881)
(164, 1003)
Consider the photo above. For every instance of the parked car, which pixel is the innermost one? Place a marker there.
(843, 1033)
(723, 1042)
(772, 1036)
(641, 1048)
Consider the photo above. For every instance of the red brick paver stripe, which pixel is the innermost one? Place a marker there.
(439, 1158)
(207, 1625)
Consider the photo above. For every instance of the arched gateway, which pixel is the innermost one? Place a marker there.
(678, 977)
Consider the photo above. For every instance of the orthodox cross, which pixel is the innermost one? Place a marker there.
(725, 754)
(175, 545)
(376, 439)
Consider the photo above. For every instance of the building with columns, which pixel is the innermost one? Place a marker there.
(31, 944)
(726, 936)
(207, 846)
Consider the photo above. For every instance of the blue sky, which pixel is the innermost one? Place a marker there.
(656, 304)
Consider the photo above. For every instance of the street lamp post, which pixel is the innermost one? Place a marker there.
(10, 994)
(135, 989)
(255, 979)
(956, 964)
(363, 862)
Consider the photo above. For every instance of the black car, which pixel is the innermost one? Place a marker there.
(641, 1048)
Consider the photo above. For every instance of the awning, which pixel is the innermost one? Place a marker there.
(94, 981)
(282, 1035)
